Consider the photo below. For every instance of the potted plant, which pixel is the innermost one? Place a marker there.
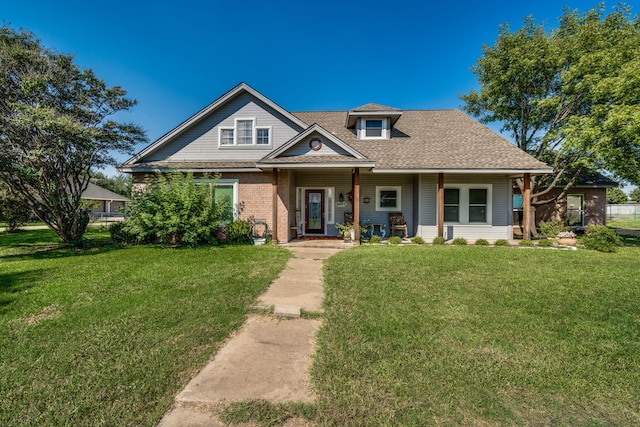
(566, 238)
(348, 232)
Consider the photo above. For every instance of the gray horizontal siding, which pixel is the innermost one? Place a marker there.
(500, 211)
(200, 141)
(328, 148)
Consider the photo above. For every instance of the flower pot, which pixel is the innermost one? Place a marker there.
(567, 241)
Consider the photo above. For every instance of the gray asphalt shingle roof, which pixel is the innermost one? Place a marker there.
(431, 139)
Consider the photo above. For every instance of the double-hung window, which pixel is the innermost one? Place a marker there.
(245, 132)
(374, 128)
(388, 198)
(224, 191)
(468, 204)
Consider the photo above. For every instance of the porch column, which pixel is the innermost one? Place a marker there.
(274, 226)
(526, 207)
(356, 204)
(441, 204)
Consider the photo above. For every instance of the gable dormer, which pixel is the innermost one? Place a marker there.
(373, 121)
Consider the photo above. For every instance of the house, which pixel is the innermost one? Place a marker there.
(304, 172)
(103, 202)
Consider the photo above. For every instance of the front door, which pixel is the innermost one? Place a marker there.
(314, 211)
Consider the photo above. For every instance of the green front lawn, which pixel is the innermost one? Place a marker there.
(480, 336)
(109, 335)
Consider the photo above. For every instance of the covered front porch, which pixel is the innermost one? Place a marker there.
(312, 200)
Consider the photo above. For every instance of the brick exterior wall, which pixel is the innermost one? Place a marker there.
(595, 206)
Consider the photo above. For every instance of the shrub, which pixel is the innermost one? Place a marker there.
(176, 209)
(417, 240)
(551, 228)
(501, 242)
(526, 243)
(601, 238)
(459, 241)
(375, 239)
(545, 242)
(438, 241)
(13, 209)
(120, 234)
(395, 240)
(238, 231)
(482, 242)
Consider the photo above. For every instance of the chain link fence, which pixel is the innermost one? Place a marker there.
(625, 212)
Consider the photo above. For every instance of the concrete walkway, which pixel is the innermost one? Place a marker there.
(270, 356)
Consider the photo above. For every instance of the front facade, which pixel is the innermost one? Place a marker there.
(305, 172)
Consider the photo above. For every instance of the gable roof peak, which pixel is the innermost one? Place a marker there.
(374, 107)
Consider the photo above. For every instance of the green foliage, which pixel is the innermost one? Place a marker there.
(238, 231)
(119, 184)
(417, 240)
(459, 241)
(501, 242)
(55, 126)
(482, 242)
(526, 243)
(119, 233)
(438, 241)
(635, 195)
(375, 239)
(601, 238)
(569, 95)
(395, 240)
(175, 209)
(616, 196)
(551, 229)
(545, 242)
(13, 209)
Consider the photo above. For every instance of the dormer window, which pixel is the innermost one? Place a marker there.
(373, 128)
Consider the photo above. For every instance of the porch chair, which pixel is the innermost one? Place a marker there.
(397, 223)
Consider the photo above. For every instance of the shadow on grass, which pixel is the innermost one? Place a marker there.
(11, 284)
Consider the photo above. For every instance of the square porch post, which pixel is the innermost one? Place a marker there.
(274, 226)
(526, 207)
(356, 204)
(441, 204)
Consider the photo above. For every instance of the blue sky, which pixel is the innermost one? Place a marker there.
(177, 57)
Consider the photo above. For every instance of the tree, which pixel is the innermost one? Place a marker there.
(616, 196)
(54, 128)
(120, 184)
(635, 195)
(570, 96)
(13, 209)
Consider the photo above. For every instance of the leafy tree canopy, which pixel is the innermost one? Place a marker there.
(570, 96)
(54, 128)
(616, 196)
(635, 195)
(120, 184)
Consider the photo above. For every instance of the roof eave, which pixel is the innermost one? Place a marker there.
(515, 172)
(333, 165)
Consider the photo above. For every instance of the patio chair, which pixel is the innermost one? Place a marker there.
(397, 223)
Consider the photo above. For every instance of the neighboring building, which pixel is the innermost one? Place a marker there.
(304, 172)
(104, 202)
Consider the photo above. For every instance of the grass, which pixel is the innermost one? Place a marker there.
(623, 222)
(479, 336)
(109, 335)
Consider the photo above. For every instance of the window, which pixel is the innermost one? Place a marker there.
(263, 136)
(388, 198)
(575, 209)
(477, 205)
(224, 190)
(245, 131)
(451, 205)
(468, 204)
(226, 136)
(373, 128)
(377, 128)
